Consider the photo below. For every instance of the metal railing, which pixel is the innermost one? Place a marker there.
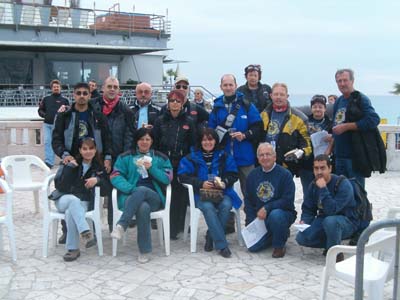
(32, 96)
(360, 256)
(90, 19)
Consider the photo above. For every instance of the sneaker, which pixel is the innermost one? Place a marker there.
(278, 252)
(225, 252)
(91, 243)
(63, 238)
(118, 232)
(86, 235)
(209, 245)
(71, 255)
(143, 258)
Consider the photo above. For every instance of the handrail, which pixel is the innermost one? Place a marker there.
(361, 250)
(59, 17)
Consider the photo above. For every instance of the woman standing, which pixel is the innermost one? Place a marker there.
(208, 169)
(174, 134)
(140, 176)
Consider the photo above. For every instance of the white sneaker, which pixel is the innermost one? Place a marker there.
(118, 232)
(143, 258)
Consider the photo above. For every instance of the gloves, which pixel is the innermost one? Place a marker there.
(294, 155)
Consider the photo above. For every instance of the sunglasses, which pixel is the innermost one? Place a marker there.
(179, 86)
(318, 98)
(84, 93)
(253, 68)
(115, 87)
(174, 100)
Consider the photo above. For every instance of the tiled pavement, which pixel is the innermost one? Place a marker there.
(182, 275)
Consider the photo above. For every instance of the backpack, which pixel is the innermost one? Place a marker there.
(363, 205)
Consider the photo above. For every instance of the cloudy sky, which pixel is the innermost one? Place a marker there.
(300, 42)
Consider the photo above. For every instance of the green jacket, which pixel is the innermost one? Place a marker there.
(125, 174)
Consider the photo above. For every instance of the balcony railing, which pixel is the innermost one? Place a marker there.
(40, 16)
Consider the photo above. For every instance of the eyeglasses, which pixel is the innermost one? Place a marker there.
(252, 68)
(146, 92)
(79, 93)
(110, 86)
(174, 100)
(179, 86)
(318, 98)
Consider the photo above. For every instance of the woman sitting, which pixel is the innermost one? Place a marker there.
(140, 177)
(209, 169)
(76, 183)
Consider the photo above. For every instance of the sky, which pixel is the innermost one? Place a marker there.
(299, 42)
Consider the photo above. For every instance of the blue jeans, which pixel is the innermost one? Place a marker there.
(306, 177)
(74, 210)
(278, 223)
(216, 216)
(48, 149)
(141, 203)
(344, 167)
(326, 232)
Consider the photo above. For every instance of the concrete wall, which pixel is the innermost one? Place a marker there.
(142, 68)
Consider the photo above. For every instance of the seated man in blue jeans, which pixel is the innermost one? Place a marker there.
(330, 214)
(270, 197)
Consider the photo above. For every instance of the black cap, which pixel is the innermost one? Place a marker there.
(318, 99)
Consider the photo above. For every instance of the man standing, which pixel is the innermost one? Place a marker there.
(79, 122)
(94, 93)
(329, 212)
(286, 130)
(48, 108)
(238, 125)
(120, 122)
(145, 113)
(254, 91)
(270, 197)
(354, 116)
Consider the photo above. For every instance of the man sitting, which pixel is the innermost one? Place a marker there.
(328, 208)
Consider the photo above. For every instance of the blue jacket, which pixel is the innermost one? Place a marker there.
(193, 170)
(325, 202)
(247, 121)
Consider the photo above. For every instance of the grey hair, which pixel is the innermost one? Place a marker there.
(341, 71)
(266, 144)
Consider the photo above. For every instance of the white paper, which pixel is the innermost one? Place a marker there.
(318, 140)
(253, 232)
(301, 227)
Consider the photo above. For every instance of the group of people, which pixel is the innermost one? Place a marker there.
(252, 134)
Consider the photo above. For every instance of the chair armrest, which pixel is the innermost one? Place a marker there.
(333, 252)
(96, 206)
(191, 194)
(47, 182)
(4, 186)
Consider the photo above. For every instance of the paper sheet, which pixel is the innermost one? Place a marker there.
(301, 227)
(319, 143)
(253, 232)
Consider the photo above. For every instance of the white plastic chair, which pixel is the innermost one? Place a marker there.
(6, 218)
(193, 215)
(162, 217)
(376, 267)
(21, 179)
(52, 216)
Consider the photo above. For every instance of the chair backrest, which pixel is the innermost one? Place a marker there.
(21, 168)
(6, 210)
(45, 192)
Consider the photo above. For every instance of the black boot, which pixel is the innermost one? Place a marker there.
(209, 245)
(63, 237)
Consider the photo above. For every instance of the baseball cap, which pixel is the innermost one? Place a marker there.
(318, 99)
(181, 78)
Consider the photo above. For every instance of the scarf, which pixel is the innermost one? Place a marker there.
(279, 109)
(109, 105)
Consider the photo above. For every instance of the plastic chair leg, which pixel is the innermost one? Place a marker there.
(166, 235)
(11, 238)
(324, 284)
(99, 235)
(187, 222)
(36, 199)
(1, 237)
(239, 227)
(114, 247)
(194, 228)
(45, 237)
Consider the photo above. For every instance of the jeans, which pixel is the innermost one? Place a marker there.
(278, 223)
(74, 210)
(326, 232)
(216, 216)
(306, 177)
(244, 171)
(141, 203)
(48, 149)
(345, 167)
(179, 203)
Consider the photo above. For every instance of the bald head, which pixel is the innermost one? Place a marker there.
(143, 93)
(228, 85)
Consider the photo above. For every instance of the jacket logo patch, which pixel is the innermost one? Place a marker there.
(193, 112)
(186, 127)
(243, 116)
(265, 191)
